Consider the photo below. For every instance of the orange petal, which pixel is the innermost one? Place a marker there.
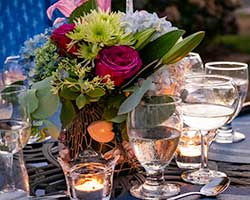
(101, 131)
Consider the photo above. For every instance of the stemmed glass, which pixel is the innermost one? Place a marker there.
(239, 72)
(14, 133)
(154, 128)
(193, 64)
(209, 101)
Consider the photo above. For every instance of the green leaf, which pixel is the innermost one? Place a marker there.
(67, 93)
(48, 102)
(96, 93)
(182, 48)
(83, 9)
(156, 49)
(68, 113)
(143, 38)
(29, 100)
(132, 101)
(162, 113)
(119, 118)
(81, 101)
(115, 101)
(53, 130)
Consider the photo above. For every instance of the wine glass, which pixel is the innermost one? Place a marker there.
(154, 128)
(193, 64)
(14, 132)
(209, 101)
(239, 72)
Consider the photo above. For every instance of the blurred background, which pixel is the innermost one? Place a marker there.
(226, 22)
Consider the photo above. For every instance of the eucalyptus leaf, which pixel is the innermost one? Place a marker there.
(29, 100)
(68, 113)
(133, 100)
(156, 49)
(152, 116)
(182, 48)
(48, 102)
(83, 9)
(96, 93)
(53, 130)
(81, 101)
(67, 93)
(119, 118)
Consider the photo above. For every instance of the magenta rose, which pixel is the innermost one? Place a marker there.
(60, 38)
(120, 62)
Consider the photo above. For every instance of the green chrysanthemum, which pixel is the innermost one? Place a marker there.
(100, 28)
(88, 52)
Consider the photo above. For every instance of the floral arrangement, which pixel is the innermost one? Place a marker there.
(96, 67)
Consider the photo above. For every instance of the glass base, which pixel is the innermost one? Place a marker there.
(229, 138)
(201, 176)
(13, 194)
(155, 192)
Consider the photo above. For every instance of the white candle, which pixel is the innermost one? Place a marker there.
(89, 189)
(190, 150)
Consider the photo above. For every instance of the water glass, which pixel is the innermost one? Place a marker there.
(154, 128)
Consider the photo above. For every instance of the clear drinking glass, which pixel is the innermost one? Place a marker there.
(193, 64)
(154, 128)
(239, 72)
(209, 101)
(14, 134)
(12, 71)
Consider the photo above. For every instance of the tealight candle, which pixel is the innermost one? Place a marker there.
(188, 153)
(91, 181)
(89, 189)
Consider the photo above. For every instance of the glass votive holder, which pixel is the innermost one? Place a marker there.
(188, 153)
(91, 181)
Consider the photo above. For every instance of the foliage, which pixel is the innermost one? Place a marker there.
(98, 57)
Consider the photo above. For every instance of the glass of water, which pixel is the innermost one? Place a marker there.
(154, 128)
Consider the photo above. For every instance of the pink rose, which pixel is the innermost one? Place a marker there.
(120, 62)
(60, 38)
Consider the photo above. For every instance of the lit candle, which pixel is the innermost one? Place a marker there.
(89, 189)
(190, 150)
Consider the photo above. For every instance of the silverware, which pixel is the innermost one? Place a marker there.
(213, 188)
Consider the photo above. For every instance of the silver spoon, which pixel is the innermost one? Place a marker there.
(213, 188)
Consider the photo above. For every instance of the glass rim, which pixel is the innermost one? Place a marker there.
(20, 88)
(190, 79)
(96, 165)
(240, 65)
(177, 99)
(16, 121)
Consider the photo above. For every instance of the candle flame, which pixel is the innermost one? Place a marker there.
(89, 185)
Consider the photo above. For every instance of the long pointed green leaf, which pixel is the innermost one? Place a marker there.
(181, 49)
(156, 49)
(143, 38)
(132, 101)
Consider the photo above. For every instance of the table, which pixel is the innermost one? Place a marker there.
(48, 177)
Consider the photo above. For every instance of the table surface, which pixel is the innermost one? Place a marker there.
(48, 177)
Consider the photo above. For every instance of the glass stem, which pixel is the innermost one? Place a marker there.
(204, 151)
(155, 178)
(9, 184)
(129, 6)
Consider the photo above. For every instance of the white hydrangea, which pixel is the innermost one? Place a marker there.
(141, 20)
